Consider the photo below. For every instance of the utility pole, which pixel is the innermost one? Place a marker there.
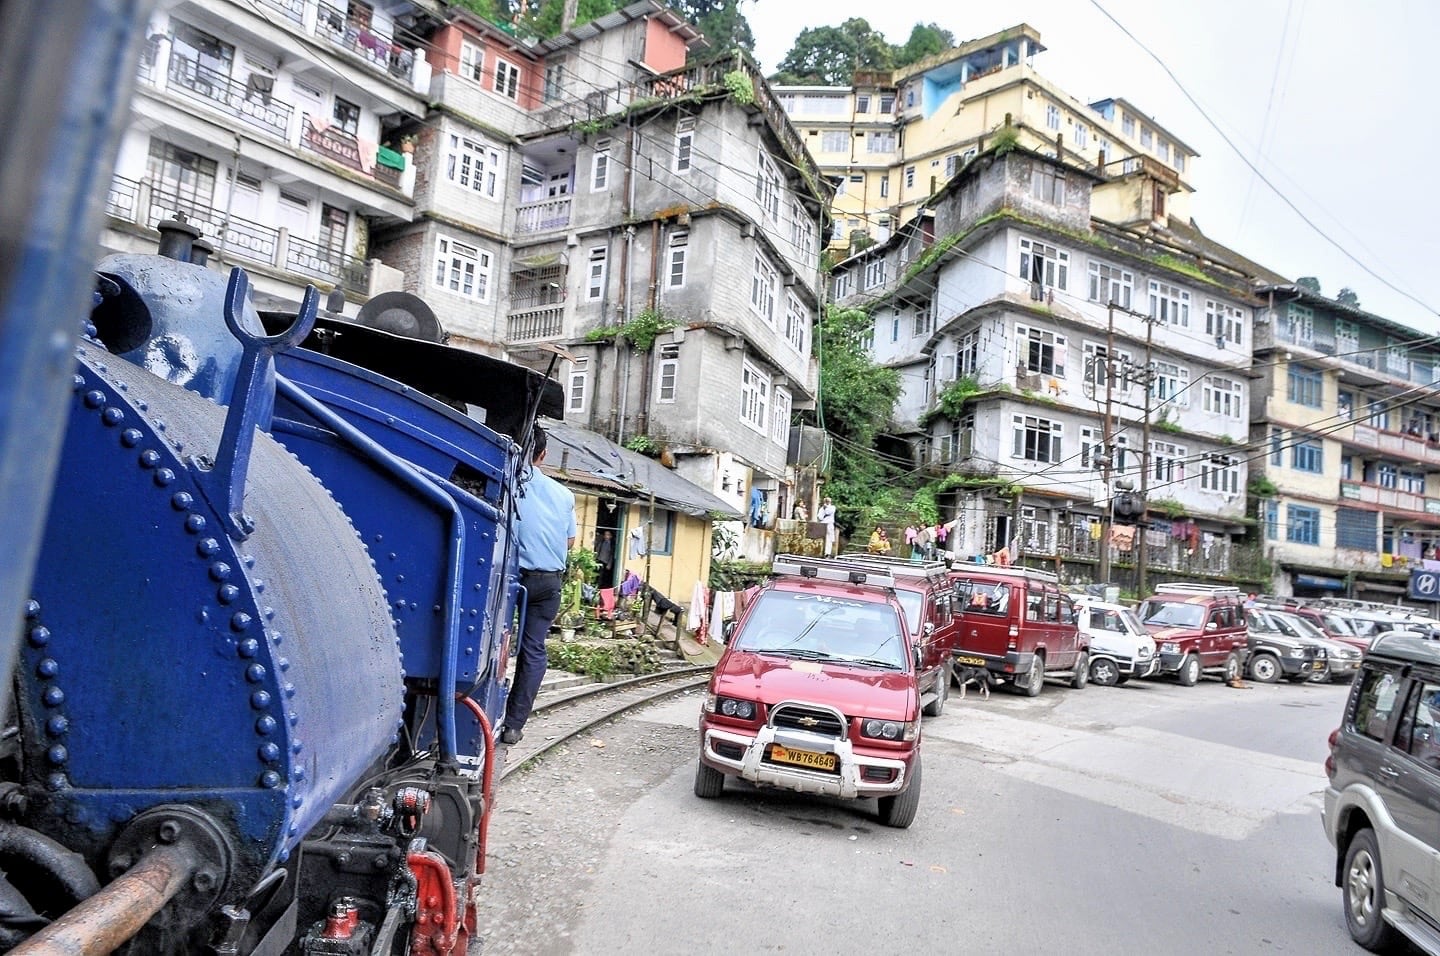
(1106, 454)
(1145, 459)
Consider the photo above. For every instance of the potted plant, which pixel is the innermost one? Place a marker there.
(580, 570)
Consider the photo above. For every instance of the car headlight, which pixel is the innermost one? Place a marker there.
(1297, 652)
(889, 729)
(730, 707)
(1170, 647)
(1144, 653)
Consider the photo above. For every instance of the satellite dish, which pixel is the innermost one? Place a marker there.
(401, 313)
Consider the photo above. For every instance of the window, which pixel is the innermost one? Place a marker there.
(1167, 462)
(834, 141)
(1344, 405)
(662, 533)
(679, 245)
(1387, 475)
(1277, 446)
(1378, 415)
(802, 231)
(1036, 439)
(754, 396)
(595, 275)
(1300, 324)
(1302, 525)
(767, 185)
(684, 144)
(1127, 125)
(1355, 528)
(472, 164)
(346, 116)
(887, 102)
(1272, 520)
(1047, 184)
(472, 61)
(1041, 351)
(780, 418)
(1223, 322)
(1219, 473)
(1305, 386)
(180, 175)
(578, 394)
(1170, 384)
(1308, 455)
(462, 268)
(554, 82)
(1052, 116)
(600, 167)
(884, 187)
(797, 323)
(1082, 136)
(1090, 441)
(874, 273)
(1412, 481)
(862, 103)
(1347, 337)
(840, 288)
(1044, 266)
(909, 177)
(763, 284)
(1224, 397)
(507, 79)
(667, 374)
(1169, 304)
(1110, 284)
(1145, 137)
(880, 143)
(1097, 369)
(952, 165)
(967, 357)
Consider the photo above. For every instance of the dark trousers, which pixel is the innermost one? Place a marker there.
(543, 604)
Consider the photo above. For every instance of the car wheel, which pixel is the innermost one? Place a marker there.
(1265, 668)
(1233, 668)
(899, 811)
(709, 782)
(942, 691)
(1104, 672)
(1122, 679)
(1035, 679)
(1081, 677)
(1189, 672)
(1322, 676)
(1364, 894)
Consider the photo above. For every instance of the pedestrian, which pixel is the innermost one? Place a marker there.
(605, 556)
(879, 541)
(826, 514)
(546, 533)
(799, 513)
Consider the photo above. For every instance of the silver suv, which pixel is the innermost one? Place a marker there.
(1382, 805)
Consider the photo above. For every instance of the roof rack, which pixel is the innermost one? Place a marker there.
(1011, 571)
(1218, 590)
(832, 569)
(896, 565)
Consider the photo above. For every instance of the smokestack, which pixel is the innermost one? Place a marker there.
(567, 17)
(177, 238)
(200, 252)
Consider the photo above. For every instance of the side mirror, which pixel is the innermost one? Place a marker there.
(919, 658)
(1212, 626)
(928, 628)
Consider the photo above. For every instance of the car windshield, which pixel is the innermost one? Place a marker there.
(1132, 623)
(989, 598)
(1122, 621)
(1172, 613)
(1369, 627)
(1337, 624)
(1298, 626)
(912, 602)
(824, 627)
(1257, 621)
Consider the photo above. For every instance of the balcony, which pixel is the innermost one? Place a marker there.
(249, 102)
(294, 9)
(545, 322)
(328, 265)
(1396, 444)
(542, 216)
(375, 50)
(344, 148)
(123, 198)
(1389, 498)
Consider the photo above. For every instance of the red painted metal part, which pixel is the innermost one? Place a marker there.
(437, 927)
(487, 781)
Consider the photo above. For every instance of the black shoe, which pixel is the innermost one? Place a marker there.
(510, 736)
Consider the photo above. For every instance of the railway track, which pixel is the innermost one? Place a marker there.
(560, 719)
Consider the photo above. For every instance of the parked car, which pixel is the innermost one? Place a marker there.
(1020, 626)
(1274, 653)
(818, 691)
(1331, 621)
(1120, 647)
(1199, 628)
(926, 596)
(1340, 660)
(1383, 797)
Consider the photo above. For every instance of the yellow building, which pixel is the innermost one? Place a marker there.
(895, 137)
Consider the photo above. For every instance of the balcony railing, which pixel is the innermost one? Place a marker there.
(122, 198)
(374, 50)
(332, 143)
(251, 102)
(543, 216)
(322, 262)
(1387, 497)
(294, 9)
(1410, 447)
(232, 235)
(543, 323)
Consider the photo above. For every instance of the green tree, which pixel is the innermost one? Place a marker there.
(857, 397)
(829, 56)
(724, 26)
(926, 39)
(546, 22)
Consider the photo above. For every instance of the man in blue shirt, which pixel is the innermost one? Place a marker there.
(546, 533)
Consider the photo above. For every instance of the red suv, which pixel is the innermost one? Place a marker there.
(1019, 625)
(818, 691)
(1197, 627)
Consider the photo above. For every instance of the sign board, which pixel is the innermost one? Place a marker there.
(1425, 585)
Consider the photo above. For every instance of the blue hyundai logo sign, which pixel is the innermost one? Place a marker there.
(1425, 585)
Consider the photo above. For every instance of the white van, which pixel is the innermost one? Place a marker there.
(1120, 646)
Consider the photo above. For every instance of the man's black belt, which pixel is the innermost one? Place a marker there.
(537, 574)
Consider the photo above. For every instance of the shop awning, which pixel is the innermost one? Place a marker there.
(1319, 582)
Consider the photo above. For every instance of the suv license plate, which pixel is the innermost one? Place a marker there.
(970, 661)
(803, 758)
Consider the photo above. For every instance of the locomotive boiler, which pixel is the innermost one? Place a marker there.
(267, 634)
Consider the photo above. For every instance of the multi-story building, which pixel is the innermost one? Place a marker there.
(895, 137)
(660, 221)
(273, 126)
(1346, 429)
(1018, 319)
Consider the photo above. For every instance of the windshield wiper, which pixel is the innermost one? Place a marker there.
(888, 665)
(805, 653)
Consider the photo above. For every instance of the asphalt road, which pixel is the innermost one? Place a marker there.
(1150, 819)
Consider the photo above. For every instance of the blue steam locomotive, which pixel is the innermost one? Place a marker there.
(266, 637)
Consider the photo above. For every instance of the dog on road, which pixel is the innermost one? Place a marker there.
(979, 676)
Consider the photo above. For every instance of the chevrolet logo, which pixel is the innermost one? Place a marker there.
(808, 721)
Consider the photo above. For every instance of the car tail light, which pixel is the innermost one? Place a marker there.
(1334, 736)
(1014, 631)
(1330, 766)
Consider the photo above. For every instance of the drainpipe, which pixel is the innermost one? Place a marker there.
(650, 299)
(591, 412)
(627, 310)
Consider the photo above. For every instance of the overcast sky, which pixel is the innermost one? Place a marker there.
(1346, 135)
